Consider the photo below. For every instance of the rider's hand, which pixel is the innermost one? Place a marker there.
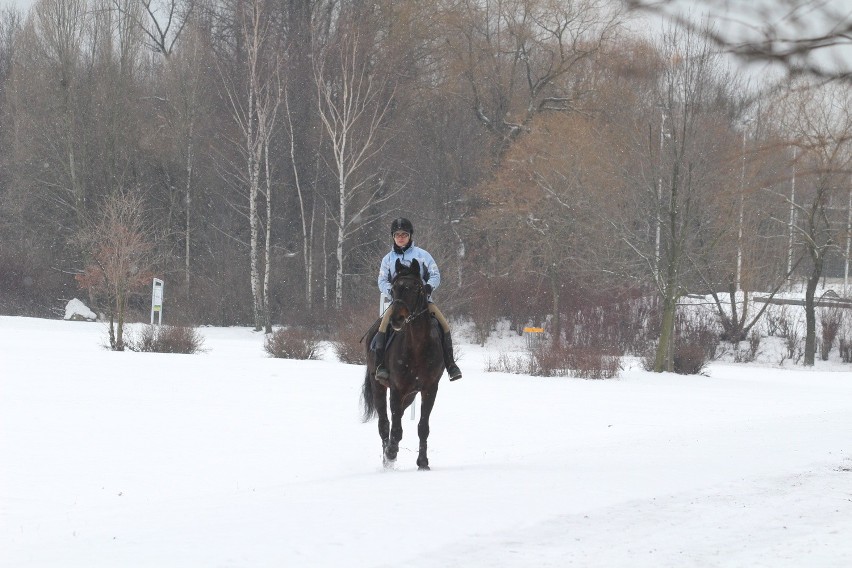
(428, 289)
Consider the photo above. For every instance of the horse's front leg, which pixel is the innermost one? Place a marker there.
(380, 401)
(427, 401)
(392, 447)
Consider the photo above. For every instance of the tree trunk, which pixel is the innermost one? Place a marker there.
(267, 250)
(556, 328)
(188, 204)
(665, 347)
(119, 334)
(810, 315)
(338, 294)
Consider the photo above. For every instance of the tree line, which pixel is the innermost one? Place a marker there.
(252, 154)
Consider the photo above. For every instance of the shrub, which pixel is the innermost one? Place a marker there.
(349, 335)
(689, 359)
(830, 321)
(749, 355)
(594, 364)
(293, 344)
(558, 360)
(551, 360)
(166, 339)
(505, 363)
(845, 350)
(793, 343)
(349, 349)
(649, 357)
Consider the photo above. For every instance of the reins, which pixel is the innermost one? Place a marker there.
(421, 298)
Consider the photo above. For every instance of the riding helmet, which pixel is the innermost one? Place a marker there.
(402, 224)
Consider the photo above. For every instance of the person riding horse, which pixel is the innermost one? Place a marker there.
(404, 251)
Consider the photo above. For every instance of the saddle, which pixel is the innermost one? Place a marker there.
(389, 336)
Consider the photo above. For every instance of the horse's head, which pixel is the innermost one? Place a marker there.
(409, 297)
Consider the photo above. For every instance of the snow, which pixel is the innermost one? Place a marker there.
(229, 458)
(77, 308)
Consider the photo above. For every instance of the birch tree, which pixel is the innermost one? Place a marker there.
(353, 101)
(254, 96)
(185, 84)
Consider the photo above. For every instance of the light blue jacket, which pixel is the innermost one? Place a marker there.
(430, 273)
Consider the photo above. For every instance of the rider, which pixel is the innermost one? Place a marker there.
(405, 251)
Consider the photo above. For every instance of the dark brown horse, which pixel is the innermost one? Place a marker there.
(414, 360)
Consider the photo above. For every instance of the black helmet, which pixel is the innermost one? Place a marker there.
(402, 224)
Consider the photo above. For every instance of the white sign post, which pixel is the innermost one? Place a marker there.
(157, 301)
(384, 302)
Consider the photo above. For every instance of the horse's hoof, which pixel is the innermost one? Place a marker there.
(390, 454)
(424, 468)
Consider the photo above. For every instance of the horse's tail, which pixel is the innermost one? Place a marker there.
(367, 397)
(367, 390)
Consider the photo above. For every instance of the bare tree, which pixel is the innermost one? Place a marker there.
(804, 36)
(518, 57)
(307, 212)
(673, 178)
(121, 249)
(186, 101)
(165, 21)
(353, 102)
(60, 28)
(822, 126)
(254, 95)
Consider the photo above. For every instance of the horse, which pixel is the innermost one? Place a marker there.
(415, 362)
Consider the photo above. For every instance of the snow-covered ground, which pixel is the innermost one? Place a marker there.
(233, 459)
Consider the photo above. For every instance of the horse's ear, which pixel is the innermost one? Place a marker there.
(415, 266)
(399, 266)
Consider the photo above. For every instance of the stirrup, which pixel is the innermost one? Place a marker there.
(454, 372)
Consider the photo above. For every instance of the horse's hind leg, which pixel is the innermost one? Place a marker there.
(392, 446)
(427, 399)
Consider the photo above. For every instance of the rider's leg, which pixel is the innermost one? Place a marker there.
(381, 371)
(449, 359)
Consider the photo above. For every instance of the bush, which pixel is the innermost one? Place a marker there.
(830, 321)
(166, 339)
(593, 364)
(293, 344)
(557, 360)
(505, 363)
(689, 359)
(749, 355)
(845, 350)
(349, 335)
(349, 349)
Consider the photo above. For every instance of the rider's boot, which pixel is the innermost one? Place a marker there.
(449, 360)
(382, 374)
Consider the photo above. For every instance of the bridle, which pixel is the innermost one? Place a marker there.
(421, 299)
